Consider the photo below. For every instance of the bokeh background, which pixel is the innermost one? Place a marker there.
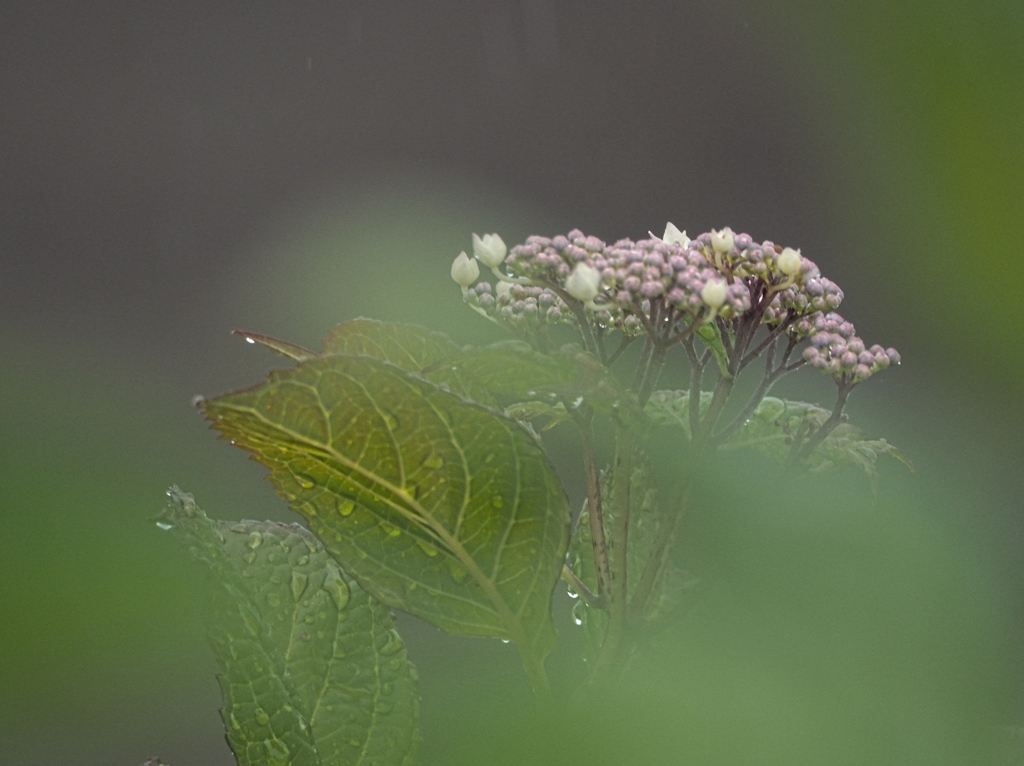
(172, 171)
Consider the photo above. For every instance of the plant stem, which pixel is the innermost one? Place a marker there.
(614, 645)
(802, 452)
(534, 667)
(597, 531)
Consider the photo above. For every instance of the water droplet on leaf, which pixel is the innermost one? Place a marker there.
(433, 461)
(427, 548)
(299, 582)
(498, 501)
(255, 540)
(393, 645)
(164, 525)
(457, 571)
(274, 600)
(261, 716)
(336, 588)
(277, 752)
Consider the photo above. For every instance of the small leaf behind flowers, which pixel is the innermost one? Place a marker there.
(776, 425)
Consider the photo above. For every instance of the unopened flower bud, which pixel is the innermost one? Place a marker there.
(490, 249)
(465, 271)
(503, 288)
(713, 293)
(584, 282)
(789, 262)
(722, 241)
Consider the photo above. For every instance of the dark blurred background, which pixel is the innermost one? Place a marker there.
(172, 171)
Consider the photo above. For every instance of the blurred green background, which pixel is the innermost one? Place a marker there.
(173, 172)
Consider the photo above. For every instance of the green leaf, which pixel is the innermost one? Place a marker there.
(514, 370)
(437, 505)
(526, 411)
(710, 334)
(281, 347)
(410, 347)
(672, 584)
(777, 422)
(774, 427)
(314, 673)
(672, 408)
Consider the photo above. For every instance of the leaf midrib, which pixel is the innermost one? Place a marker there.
(415, 512)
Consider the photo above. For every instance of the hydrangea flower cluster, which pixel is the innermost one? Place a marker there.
(835, 349)
(659, 285)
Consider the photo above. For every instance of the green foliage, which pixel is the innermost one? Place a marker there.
(663, 602)
(439, 506)
(313, 671)
(776, 425)
(417, 466)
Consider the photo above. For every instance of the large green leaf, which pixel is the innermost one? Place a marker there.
(513, 370)
(412, 347)
(437, 505)
(314, 673)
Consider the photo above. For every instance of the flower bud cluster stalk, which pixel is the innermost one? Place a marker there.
(720, 296)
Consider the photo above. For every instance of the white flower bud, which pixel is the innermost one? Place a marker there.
(465, 270)
(490, 249)
(673, 235)
(713, 293)
(789, 262)
(722, 241)
(584, 282)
